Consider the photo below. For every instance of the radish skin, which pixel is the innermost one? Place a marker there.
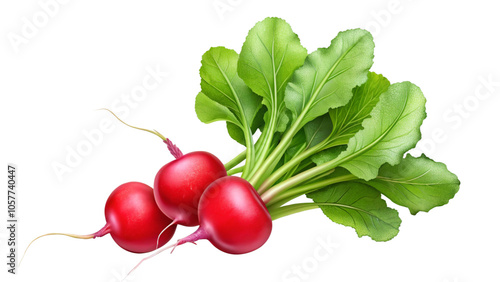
(232, 217)
(180, 184)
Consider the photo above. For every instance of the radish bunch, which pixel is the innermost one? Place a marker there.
(330, 129)
(191, 190)
(194, 189)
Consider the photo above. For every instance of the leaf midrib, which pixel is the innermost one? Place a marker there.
(356, 209)
(236, 97)
(376, 141)
(326, 79)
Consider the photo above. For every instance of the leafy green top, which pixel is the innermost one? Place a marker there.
(330, 129)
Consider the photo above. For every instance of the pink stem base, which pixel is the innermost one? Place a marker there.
(174, 150)
(199, 234)
(104, 231)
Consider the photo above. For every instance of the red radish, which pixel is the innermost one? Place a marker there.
(232, 216)
(132, 218)
(180, 184)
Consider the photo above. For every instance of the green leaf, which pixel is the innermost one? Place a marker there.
(317, 130)
(328, 154)
(296, 146)
(392, 129)
(328, 75)
(269, 56)
(221, 84)
(237, 134)
(359, 206)
(417, 183)
(324, 81)
(312, 133)
(347, 120)
(209, 111)
(258, 122)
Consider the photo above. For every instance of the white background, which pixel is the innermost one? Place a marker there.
(91, 54)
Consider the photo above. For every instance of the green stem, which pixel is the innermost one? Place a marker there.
(235, 170)
(291, 209)
(303, 165)
(289, 174)
(308, 188)
(236, 161)
(267, 139)
(290, 165)
(292, 170)
(250, 152)
(318, 177)
(275, 154)
(280, 212)
(278, 152)
(299, 178)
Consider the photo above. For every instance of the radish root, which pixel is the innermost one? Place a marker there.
(103, 231)
(168, 226)
(174, 150)
(150, 256)
(197, 235)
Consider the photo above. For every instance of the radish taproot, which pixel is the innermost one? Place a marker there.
(132, 219)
